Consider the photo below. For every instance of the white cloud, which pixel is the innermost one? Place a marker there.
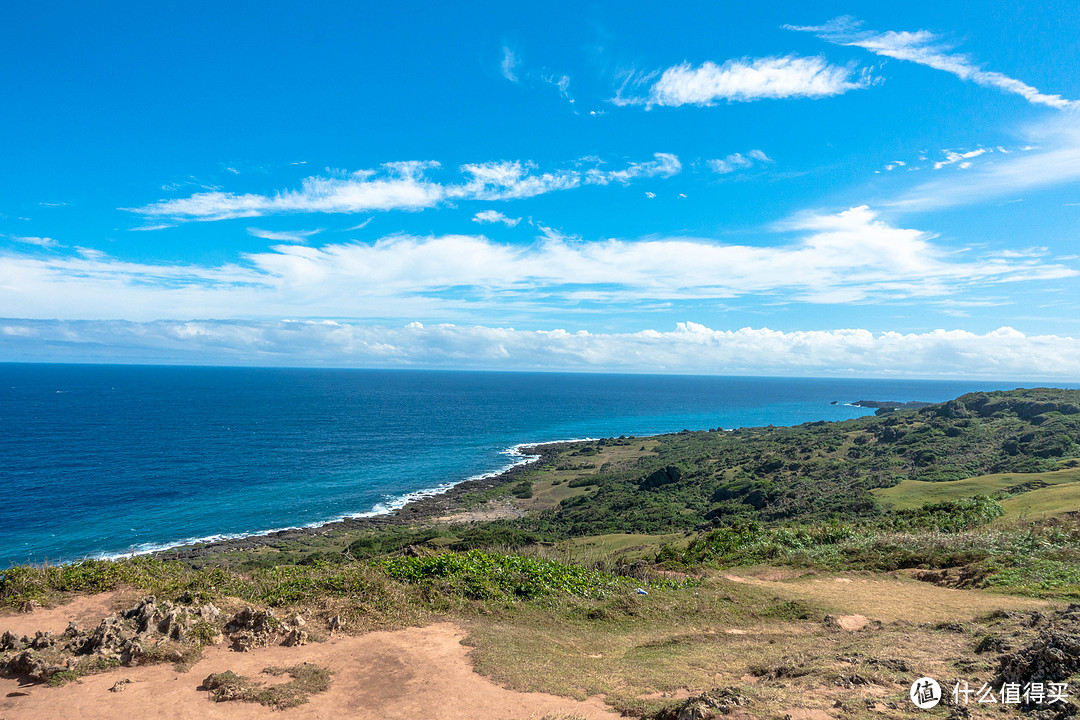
(738, 161)
(359, 226)
(509, 62)
(561, 83)
(404, 186)
(688, 348)
(298, 236)
(849, 257)
(152, 228)
(925, 48)
(951, 157)
(494, 216)
(745, 80)
(1055, 162)
(32, 240)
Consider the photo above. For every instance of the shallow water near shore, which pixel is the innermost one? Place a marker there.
(103, 460)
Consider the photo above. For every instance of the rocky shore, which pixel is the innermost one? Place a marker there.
(417, 511)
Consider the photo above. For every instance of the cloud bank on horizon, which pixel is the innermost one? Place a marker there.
(890, 202)
(688, 349)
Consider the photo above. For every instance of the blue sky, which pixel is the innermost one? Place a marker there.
(799, 190)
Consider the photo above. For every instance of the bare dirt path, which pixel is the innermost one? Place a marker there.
(406, 674)
(888, 597)
(86, 610)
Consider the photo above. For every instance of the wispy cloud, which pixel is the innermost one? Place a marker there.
(737, 161)
(405, 186)
(925, 48)
(494, 216)
(560, 83)
(963, 158)
(32, 240)
(1055, 162)
(359, 226)
(298, 236)
(508, 64)
(151, 228)
(849, 257)
(687, 348)
(745, 80)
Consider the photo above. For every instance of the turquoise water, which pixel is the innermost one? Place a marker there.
(103, 460)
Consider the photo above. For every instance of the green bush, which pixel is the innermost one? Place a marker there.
(479, 575)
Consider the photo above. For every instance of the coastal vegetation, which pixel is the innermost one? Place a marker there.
(636, 567)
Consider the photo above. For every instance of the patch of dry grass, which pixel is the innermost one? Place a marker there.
(764, 639)
(307, 680)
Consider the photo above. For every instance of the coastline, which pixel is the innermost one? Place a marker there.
(418, 506)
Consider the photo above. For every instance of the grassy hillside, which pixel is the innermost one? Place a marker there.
(1015, 486)
(821, 471)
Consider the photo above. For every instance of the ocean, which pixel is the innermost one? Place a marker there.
(100, 461)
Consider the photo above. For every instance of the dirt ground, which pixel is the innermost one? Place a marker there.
(412, 673)
(427, 673)
(885, 597)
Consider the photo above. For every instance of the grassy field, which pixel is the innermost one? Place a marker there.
(909, 494)
(1044, 502)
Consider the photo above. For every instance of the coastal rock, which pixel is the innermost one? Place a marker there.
(209, 612)
(143, 614)
(1052, 657)
(251, 628)
(296, 636)
(108, 638)
(151, 631)
(9, 641)
(33, 665)
(705, 705)
(43, 640)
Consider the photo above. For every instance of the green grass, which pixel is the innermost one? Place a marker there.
(1039, 558)
(1048, 501)
(619, 542)
(480, 575)
(913, 493)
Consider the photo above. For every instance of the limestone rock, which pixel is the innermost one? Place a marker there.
(251, 628)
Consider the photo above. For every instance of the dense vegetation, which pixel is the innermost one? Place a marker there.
(819, 471)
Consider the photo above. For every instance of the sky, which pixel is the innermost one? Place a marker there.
(805, 189)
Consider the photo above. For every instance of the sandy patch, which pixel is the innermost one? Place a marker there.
(890, 598)
(851, 623)
(775, 574)
(807, 714)
(680, 694)
(406, 674)
(491, 510)
(86, 610)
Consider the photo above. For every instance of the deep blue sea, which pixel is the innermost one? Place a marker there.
(104, 460)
